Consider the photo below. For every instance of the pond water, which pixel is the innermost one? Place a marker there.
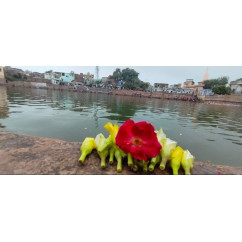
(211, 132)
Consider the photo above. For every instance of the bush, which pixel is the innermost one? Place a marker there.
(228, 90)
(221, 90)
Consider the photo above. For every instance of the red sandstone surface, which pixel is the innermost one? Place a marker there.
(21, 154)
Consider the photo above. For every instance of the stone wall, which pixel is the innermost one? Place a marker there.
(224, 99)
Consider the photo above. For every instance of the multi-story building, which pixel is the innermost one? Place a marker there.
(79, 78)
(189, 83)
(59, 77)
(88, 78)
(160, 86)
(236, 86)
(2, 76)
(179, 85)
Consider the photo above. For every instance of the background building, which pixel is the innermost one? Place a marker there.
(236, 86)
(79, 78)
(104, 80)
(160, 86)
(189, 83)
(59, 77)
(88, 77)
(179, 85)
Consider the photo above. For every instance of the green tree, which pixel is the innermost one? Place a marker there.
(209, 84)
(221, 89)
(117, 74)
(129, 74)
(130, 78)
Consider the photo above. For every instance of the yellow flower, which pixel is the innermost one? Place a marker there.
(161, 136)
(187, 162)
(111, 140)
(86, 148)
(168, 146)
(99, 141)
(176, 157)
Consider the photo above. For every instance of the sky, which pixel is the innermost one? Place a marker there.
(153, 74)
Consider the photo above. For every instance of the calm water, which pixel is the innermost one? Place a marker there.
(210, 132)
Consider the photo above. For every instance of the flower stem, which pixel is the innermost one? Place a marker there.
(145, 166)
(118, 157)
(175, 171)
(119, 165)
(154, 161)
(103, 162)
(187, 171)
(135, 166)
(111, 155)
(83, 157)
(163, 163)
(151, 167)
(130, 160)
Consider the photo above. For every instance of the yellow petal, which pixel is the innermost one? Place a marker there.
(167, 147)
(161, 135)
(99, 140)
(88, 144)
(187, 161)
(112, 129)
(177, 153)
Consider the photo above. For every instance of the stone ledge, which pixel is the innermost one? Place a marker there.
(21, 154)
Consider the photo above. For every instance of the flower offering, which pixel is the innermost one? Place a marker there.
(140, 145)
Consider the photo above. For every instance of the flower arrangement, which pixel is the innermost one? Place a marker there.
(141, 145)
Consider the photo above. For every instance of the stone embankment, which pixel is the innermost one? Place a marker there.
(233, 99)
(21, 154)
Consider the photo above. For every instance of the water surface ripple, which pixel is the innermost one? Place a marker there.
(210, 132)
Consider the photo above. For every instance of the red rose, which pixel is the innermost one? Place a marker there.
(138, 139)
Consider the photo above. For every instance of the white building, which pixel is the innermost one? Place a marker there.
(58, 77)
(236, 86)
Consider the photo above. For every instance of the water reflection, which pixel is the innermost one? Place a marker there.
(211, 132)
(122, 106)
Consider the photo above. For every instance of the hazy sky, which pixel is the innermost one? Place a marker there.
(153, 74)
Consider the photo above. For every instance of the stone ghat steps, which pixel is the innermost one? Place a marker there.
(21, 154)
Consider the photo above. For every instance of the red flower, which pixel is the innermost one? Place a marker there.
(138, 139)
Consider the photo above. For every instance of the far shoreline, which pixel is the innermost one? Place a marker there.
(227, 100)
